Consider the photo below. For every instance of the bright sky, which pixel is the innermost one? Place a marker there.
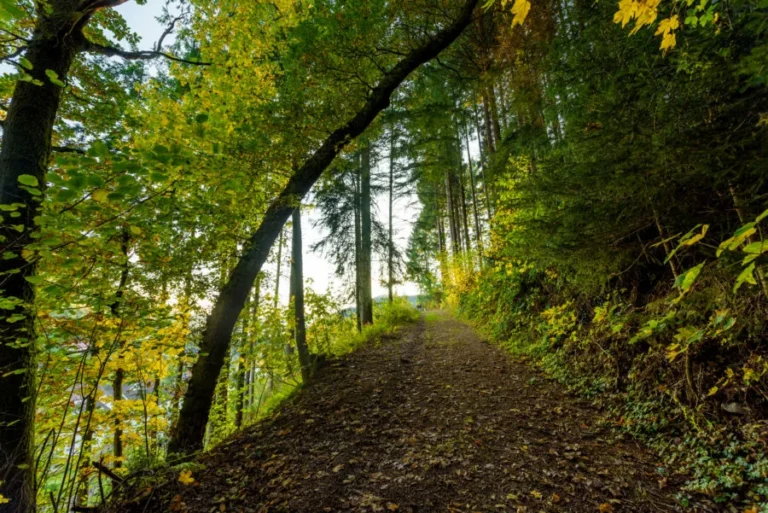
(316, 268)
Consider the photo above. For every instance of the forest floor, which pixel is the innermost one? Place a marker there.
(431, 420)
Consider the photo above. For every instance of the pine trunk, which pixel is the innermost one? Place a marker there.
(297, 274)
(366, 275)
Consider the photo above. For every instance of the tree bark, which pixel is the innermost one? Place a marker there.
(297, 275)
(358, 249)
(26, 147)
(478, 233)
(189, 430)
(366, 274)
(117, 384)
(390, 242)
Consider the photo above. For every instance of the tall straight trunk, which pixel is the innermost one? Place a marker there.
(478, 233)
(450, 205)
(462, 192)
(483, 166)
(117, 384)
(26, 147)
(358, 249)
(241, 368)
(249, 365)
(279, 264)
(187, 434)
(390, 241)
(489, 142)
(440, 228)
(366, 274)
(504, 108)
(297, 274)
(494, 115)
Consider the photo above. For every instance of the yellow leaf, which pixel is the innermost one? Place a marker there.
(99, 195)
(520, 10)
(606, 507)
(668, 41)
(4, 499)
(712, 391)
(536, 494)
(185, 477)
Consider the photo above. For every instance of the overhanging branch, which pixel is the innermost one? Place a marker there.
(112, 51)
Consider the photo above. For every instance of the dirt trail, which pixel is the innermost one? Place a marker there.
(433, 420)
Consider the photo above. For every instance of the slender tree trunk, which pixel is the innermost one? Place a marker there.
(187, 435)
(462, 192)
(366, 275)
(358, 250)
(489, 142)
(452, 221)
(117, 384)
(240, 380)
(478, 233)
(390, 242)
(279, 264)
(494, 115)
(297, 272)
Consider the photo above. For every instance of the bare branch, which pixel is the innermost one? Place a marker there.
(111, 51)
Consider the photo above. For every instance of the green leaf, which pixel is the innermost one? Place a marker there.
(201, 118)
(28, 180)
(54, 78)
(25, 63)
(746, 276)
(686, 280)
(34, 280)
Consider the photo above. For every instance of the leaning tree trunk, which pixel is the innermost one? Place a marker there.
(297, 275)
(366, 275)
(188, 432)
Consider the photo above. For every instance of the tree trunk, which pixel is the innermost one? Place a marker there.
(478, 233)
(117, 384)
(358, 249)
(489, 142)
(494, 115)
(279, 263)
(455, 242)
(187, 435)
(390, 242)
(297, 275)
(27, 133)
(366, 275)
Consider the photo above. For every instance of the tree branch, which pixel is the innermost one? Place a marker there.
(111, 51)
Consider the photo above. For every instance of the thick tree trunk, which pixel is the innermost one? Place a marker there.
(27, 133)
(188, 432)
(297, 274)
(366, 274)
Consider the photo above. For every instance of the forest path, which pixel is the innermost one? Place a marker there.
(433, 420)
